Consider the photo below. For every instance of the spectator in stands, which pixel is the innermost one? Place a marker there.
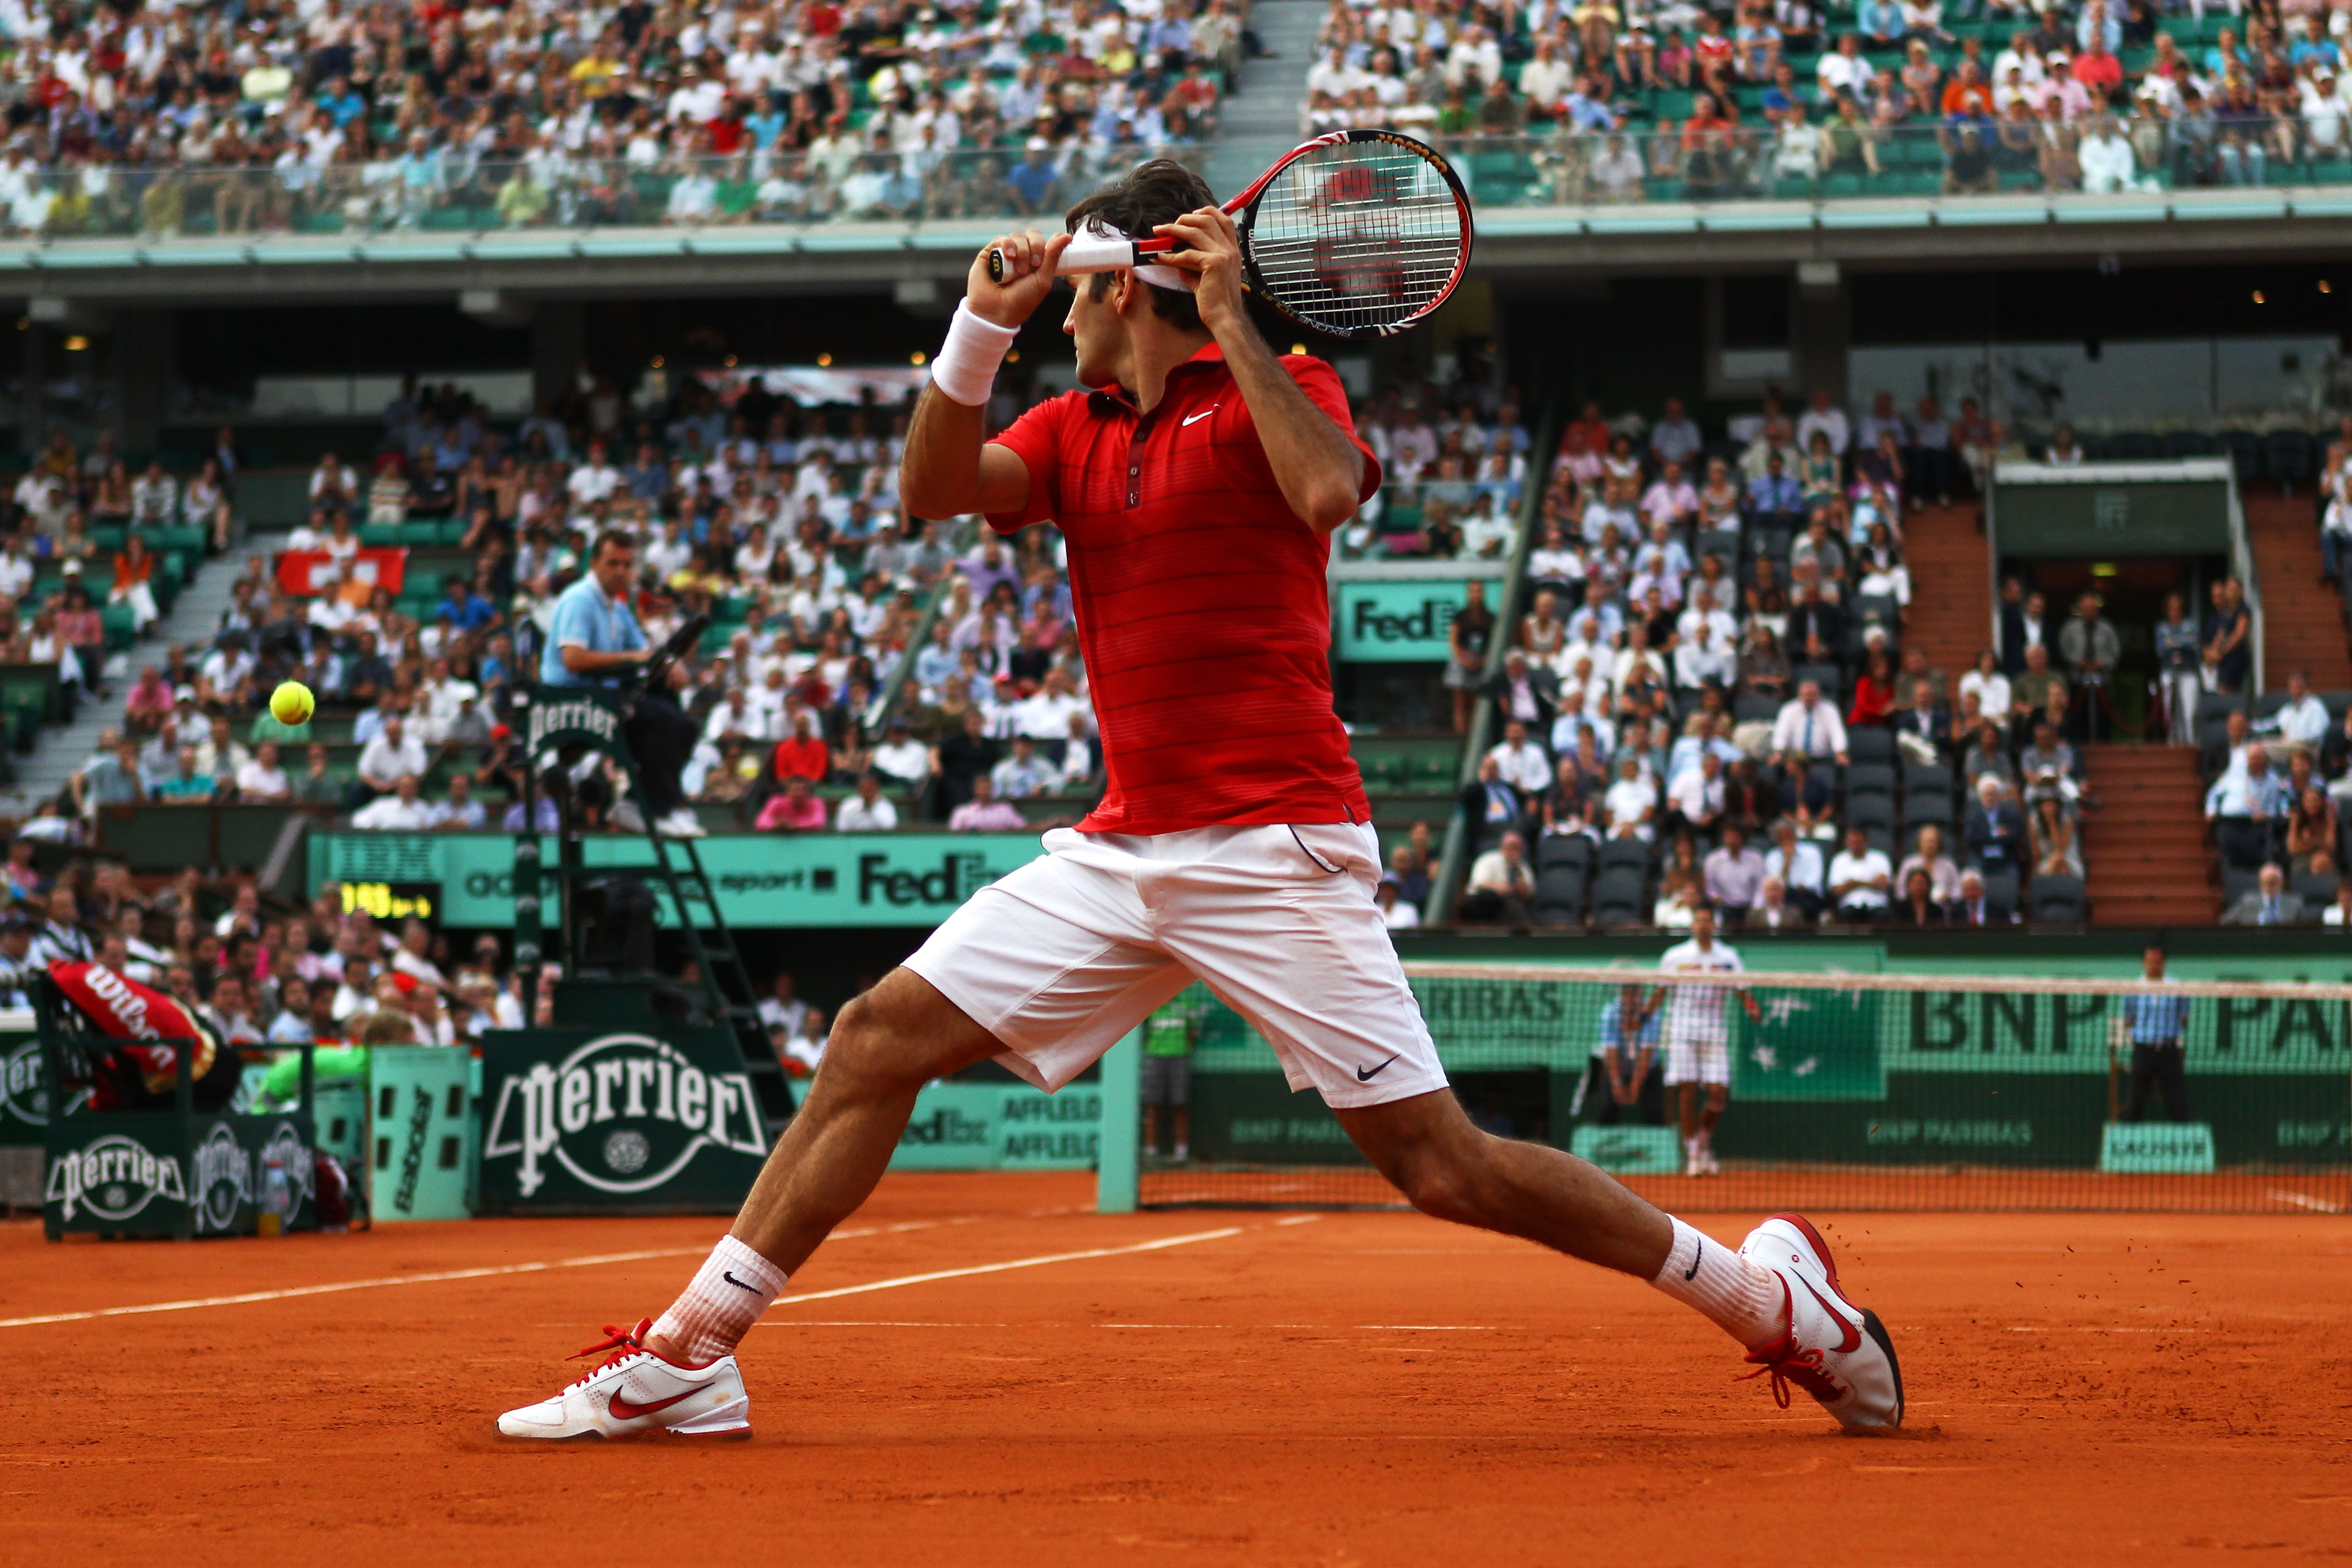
(802, 754)
(188, 785)
(868, 811)
(2311, 834)
(261, 780)
(795, 808)
(2091, 649)
(1734, 877)
(1988, 757)
(1468, 637)
(2301, 722)
(403, 809)
(1971, 907)
(1860, 879)
(1922, 727)
(2269, 903)
(1994, 834)
(1490, 804)
(1025, 773)
(1919, 906)
(1928, 855)
(984, 813)
(2055, 853)
(1523, 693)
(1502, 886)
(111, 779)
(2032, 692)
(2244, 805)
(2228, 650)
(1631, 805)
(393, 754)
(1808, 730)
(1519, 762)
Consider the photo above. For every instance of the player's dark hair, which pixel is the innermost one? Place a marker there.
(619, 539)
(1159, 192)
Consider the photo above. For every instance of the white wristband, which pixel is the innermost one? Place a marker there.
(965, 368)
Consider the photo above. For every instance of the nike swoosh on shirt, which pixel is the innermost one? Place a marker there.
(1853, 1334)
(1195, 418)
(623, 1410)
(1366, 1075)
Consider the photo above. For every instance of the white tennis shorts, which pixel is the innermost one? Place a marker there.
(1698, 1060)
(1062, 958)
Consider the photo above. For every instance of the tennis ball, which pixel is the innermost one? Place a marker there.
(291, 703)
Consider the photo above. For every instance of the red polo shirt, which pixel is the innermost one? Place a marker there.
(1200, 601)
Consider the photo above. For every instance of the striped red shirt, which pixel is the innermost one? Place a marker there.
(1201, 602)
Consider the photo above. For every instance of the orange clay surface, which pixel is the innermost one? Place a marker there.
(1328, 1390)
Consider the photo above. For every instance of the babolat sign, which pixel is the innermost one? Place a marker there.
(582, 1122)
(147, 1174)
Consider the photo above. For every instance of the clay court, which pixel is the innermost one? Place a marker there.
(1182, 1386)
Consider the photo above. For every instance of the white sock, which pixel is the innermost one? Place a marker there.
(1736, 1296)
(727, 1295)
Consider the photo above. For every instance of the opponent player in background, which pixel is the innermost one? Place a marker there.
(1196, 490)
(1698, 1045)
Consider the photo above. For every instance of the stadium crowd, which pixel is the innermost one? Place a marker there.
(1908, 97)
(275, 115)
(1710, 699)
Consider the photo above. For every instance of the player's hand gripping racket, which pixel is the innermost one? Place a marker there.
(1359, 234)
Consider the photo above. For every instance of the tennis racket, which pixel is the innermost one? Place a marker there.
(1359, 234)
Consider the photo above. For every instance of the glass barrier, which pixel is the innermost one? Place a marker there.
(457, 194)
(1846, 160)
(1840, 160)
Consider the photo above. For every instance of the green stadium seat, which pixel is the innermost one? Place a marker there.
(2331, 171)
(452, 532)
(423, 532)
(380, 535)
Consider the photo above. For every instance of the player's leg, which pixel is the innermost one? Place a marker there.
(1042, 969)
(1778, 1295)
(883, 1046)
(1284, 928)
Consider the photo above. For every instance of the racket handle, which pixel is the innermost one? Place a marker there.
(1087, 253)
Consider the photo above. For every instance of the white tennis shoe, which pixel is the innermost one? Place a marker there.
(1834, 1350)
(635, 1392)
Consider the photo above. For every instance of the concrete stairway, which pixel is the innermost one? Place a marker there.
(194, 618)
(1258, 122)
(2303, 616)
(2146, 846)
(1951, 592)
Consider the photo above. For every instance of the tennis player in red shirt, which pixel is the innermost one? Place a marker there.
(1196, 486)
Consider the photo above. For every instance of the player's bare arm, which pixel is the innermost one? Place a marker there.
(1319, 469)
(949, 468)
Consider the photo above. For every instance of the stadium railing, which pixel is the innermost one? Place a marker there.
(1854, 1092)
(172, 201)
(1453, 858)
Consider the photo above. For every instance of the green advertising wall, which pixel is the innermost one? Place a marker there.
(1001, 1127)
(765, 881)
(1396, 622)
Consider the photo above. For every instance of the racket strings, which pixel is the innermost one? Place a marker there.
(1360, 236)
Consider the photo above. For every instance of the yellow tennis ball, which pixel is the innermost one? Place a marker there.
(291, 703)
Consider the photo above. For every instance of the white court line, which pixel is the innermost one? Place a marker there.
(438, 1276)
(2302, 1201)
(936, 1274)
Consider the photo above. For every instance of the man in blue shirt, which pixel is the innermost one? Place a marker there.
(594, 640)
(2157, 1025)
(1622, 1060)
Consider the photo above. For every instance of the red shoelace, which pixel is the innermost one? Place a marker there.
(623, 1343)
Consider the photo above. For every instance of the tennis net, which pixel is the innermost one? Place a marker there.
(1856, 1091)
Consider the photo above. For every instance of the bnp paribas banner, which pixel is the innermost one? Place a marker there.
(766, 880)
